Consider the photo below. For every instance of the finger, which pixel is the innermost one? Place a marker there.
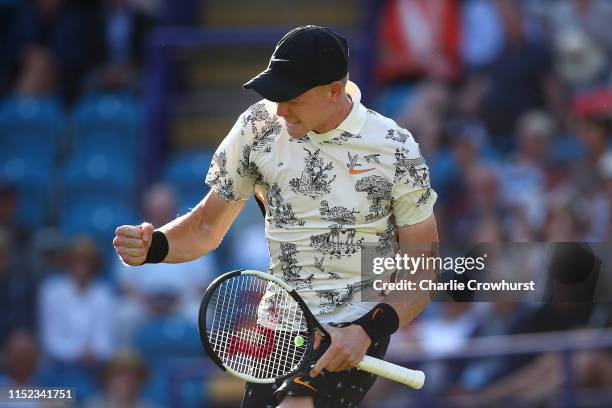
(337, 362)
(147, 232)
(348, 364)
(138, 252)
(128, 242)
(129, 231)
(317, 341)
(322, 362)
(131, 261)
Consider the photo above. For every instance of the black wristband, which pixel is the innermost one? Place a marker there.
(380, 322)
(158, 249)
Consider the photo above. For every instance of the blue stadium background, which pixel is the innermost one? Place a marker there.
(110, 111)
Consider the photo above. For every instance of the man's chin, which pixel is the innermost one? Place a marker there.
(296, 133)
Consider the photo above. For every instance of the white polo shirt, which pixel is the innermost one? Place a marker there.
(326, 195)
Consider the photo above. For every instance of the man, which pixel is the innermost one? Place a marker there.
(333, 176)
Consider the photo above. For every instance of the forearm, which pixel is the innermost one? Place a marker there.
(201, 230)
(408, 307)
(188, 238)
(415, 241)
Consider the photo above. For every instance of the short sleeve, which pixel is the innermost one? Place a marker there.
(413, 197)
(231, 173)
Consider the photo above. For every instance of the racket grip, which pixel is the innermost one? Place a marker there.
(394, 372)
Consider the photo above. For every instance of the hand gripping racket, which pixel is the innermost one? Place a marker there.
(256, 327)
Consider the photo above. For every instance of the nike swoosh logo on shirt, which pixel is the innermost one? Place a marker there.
(353, 170)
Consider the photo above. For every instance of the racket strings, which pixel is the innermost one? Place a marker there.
(252, 326)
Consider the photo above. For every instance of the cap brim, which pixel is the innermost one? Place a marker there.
(275, 88)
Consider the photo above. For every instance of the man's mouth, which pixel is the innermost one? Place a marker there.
(292, 123)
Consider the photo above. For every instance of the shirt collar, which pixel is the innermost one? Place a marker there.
(351, 124)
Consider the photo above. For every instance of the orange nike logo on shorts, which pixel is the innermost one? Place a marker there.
(377, 311)
(353, 170)
(298, 380)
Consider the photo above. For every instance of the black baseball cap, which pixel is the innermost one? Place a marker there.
(305, 57)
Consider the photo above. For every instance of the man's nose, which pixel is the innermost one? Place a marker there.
(281, 109)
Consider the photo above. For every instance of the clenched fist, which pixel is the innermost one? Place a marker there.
(132, 243)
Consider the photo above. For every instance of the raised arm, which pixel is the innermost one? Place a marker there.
(189, 237)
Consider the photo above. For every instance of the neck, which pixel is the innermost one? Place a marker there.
(343, 110)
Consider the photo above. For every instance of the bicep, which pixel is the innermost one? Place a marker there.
(420, 239)
(424, 232)
(202, 229)
(214, 214)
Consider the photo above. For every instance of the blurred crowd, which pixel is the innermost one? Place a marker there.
(510, 101)
(66, 47)
(513, 110)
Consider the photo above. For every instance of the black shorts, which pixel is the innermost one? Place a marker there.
(328, 389)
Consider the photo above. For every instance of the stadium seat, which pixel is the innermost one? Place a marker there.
(31, 128)
(30, 136)
(98, 171)
(186, 172)
(81, 378)
(108, 120)
(168, 337)
(164, 339)
(90, 215)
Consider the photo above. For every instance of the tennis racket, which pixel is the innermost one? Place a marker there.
(256, 327)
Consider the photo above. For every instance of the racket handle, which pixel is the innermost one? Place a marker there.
(394, 372)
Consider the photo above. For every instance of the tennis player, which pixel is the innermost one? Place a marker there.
(333, 177)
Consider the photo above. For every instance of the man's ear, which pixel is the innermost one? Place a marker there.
(336, 90)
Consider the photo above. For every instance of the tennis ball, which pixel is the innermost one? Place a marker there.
(299, 341)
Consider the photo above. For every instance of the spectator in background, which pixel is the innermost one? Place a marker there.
(17, 290)
(473, 196)
(73, 32)
(519, 79)
(9, 201)
(580, 62)
(21, 362)
(125, 29)
(10, 43)
(564, 222)
(419, 39)
(589, 16)
(482, 37)
(77, 311)
(425, 114)
(523, 176)
(605, 169)
(37, 77)
(464, 140)
(593, 131)
(123, 378)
